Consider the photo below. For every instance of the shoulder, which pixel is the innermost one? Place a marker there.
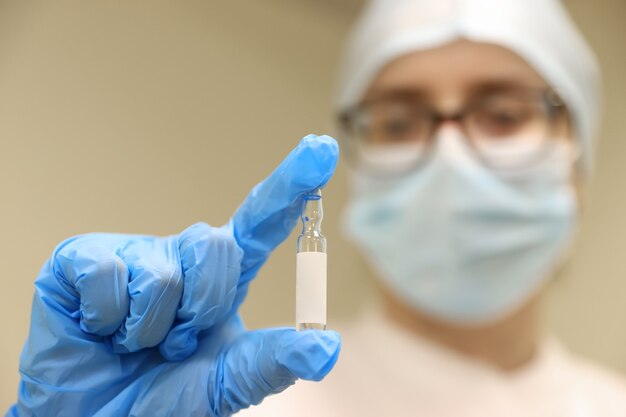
(603, 382)
(602, 389)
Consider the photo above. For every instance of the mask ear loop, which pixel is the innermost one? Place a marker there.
(558, 107)
(579, 178)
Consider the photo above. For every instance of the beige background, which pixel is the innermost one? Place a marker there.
(146, 117)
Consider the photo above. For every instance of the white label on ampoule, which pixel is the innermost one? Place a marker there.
(311, 287)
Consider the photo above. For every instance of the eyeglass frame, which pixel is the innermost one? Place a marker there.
(551, 100)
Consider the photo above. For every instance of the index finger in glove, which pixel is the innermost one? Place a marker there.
(272, 208)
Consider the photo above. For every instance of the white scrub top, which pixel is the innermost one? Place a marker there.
(385, 371)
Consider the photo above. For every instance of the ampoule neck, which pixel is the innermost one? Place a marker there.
(312, 212)
(311, 238)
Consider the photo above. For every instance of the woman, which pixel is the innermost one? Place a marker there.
(469, 126)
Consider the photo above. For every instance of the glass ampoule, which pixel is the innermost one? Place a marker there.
(311, 266)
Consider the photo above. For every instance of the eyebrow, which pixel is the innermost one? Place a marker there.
(397, 94)
(487, 87)
(504, 85)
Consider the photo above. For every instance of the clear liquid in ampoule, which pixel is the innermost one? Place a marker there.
(311, 265)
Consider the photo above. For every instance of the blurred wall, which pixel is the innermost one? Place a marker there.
(145, 117)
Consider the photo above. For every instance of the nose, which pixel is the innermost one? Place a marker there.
(448, 126)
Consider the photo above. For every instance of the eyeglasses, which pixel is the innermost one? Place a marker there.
(507, 129)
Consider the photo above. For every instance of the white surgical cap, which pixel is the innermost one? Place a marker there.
(540, 31)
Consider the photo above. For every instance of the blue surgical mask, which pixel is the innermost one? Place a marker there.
(460, 241)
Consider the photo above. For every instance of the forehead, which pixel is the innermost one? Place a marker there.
(455, 69)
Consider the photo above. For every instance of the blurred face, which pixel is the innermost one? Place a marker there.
(463, 233)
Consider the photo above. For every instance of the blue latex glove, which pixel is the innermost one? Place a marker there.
(128, 325)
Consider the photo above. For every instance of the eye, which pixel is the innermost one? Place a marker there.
(504, 118)
(391, 124)
(396, 127)
(507, 117)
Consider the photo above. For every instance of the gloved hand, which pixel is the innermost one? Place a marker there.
(127, 325)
